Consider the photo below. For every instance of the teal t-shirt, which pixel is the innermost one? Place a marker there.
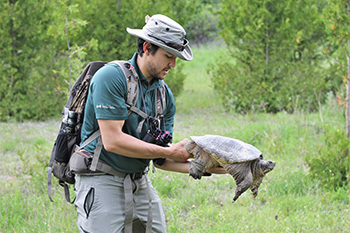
(106, 100)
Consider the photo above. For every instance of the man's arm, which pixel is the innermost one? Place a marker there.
(116, 141)
(183, 167)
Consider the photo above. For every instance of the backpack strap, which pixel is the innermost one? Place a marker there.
(49, 172)
(133, 81)
(161, 101)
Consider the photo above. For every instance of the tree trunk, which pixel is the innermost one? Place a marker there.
(348, 85)
(348, 97)
(348, 100)
(69, 50)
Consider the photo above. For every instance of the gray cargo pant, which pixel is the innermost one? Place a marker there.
(100, 204)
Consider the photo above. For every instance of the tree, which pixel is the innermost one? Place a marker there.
(45, 45)
(67, 27)
(28, 87)
(337, 21)
(274, 61)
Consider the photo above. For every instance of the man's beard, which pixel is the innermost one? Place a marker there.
(156, 75)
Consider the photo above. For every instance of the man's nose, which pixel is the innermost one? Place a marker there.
(173, 62)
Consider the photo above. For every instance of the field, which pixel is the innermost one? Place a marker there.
(288, 201)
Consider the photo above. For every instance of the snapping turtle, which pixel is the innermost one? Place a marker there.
(243, 161)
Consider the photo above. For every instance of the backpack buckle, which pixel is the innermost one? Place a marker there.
(155, 121)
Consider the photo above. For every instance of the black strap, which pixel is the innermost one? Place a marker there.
(66, 191)
(139, 127)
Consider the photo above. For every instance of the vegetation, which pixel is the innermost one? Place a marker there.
(287, 54)
(276, 54)
(45, 46)
(290, 200)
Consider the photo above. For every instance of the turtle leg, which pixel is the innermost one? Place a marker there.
(242, 175)
(255, 186)
(202, 160)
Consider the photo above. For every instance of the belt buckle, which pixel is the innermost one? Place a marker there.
(136, 176)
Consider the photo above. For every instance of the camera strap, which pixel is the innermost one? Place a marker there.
(155, 120)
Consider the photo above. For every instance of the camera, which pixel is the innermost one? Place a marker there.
(160, 138)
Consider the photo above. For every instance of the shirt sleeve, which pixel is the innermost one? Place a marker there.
(109, 92)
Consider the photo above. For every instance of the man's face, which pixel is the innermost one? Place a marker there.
(160, 63)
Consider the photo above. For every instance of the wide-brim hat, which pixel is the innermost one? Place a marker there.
(164, 32)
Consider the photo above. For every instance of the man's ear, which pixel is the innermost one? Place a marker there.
(146, 47)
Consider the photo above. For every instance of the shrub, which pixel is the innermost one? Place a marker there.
(277, 62)
(35, 74)
(331, 166)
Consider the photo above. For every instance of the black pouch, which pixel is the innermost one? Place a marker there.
(64, 146)
(62, 150)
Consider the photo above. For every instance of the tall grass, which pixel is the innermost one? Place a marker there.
(288, 201)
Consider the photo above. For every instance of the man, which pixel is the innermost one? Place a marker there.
(127, 201)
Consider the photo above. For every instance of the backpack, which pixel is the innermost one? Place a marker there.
(68, 138)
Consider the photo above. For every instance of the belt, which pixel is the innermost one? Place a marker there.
(107, 169)
(133, 176)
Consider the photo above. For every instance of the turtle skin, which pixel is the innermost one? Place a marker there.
(241, 160)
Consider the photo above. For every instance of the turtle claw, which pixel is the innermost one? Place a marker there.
(196, 169)
(196, 176)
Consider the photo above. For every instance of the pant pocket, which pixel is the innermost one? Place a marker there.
(89, 201)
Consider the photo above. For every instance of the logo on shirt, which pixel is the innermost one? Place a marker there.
(105, 106)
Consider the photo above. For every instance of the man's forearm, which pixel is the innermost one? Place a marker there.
(116, 141)
(184, 167)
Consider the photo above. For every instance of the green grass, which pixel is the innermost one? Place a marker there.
(288, 201)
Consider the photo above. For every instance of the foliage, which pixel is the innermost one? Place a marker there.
(337, 21)
(63, 28)
(28, 87)
(203, 27)
(273, 61)
(337, 25)
(331, 164)
(45, 46)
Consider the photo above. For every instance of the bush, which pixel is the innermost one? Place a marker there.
(203, 27)
(331, 166)
(35, 74)
(293, 87)
(273, 63)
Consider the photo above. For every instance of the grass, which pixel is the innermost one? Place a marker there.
(288, 201)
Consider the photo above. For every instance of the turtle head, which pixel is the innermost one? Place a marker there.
(266, 166)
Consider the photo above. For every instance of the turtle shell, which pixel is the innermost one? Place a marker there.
(227, 150)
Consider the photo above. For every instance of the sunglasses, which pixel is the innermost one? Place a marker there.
(179, 47)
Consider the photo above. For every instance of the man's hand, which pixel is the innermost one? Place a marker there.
(178, 151)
